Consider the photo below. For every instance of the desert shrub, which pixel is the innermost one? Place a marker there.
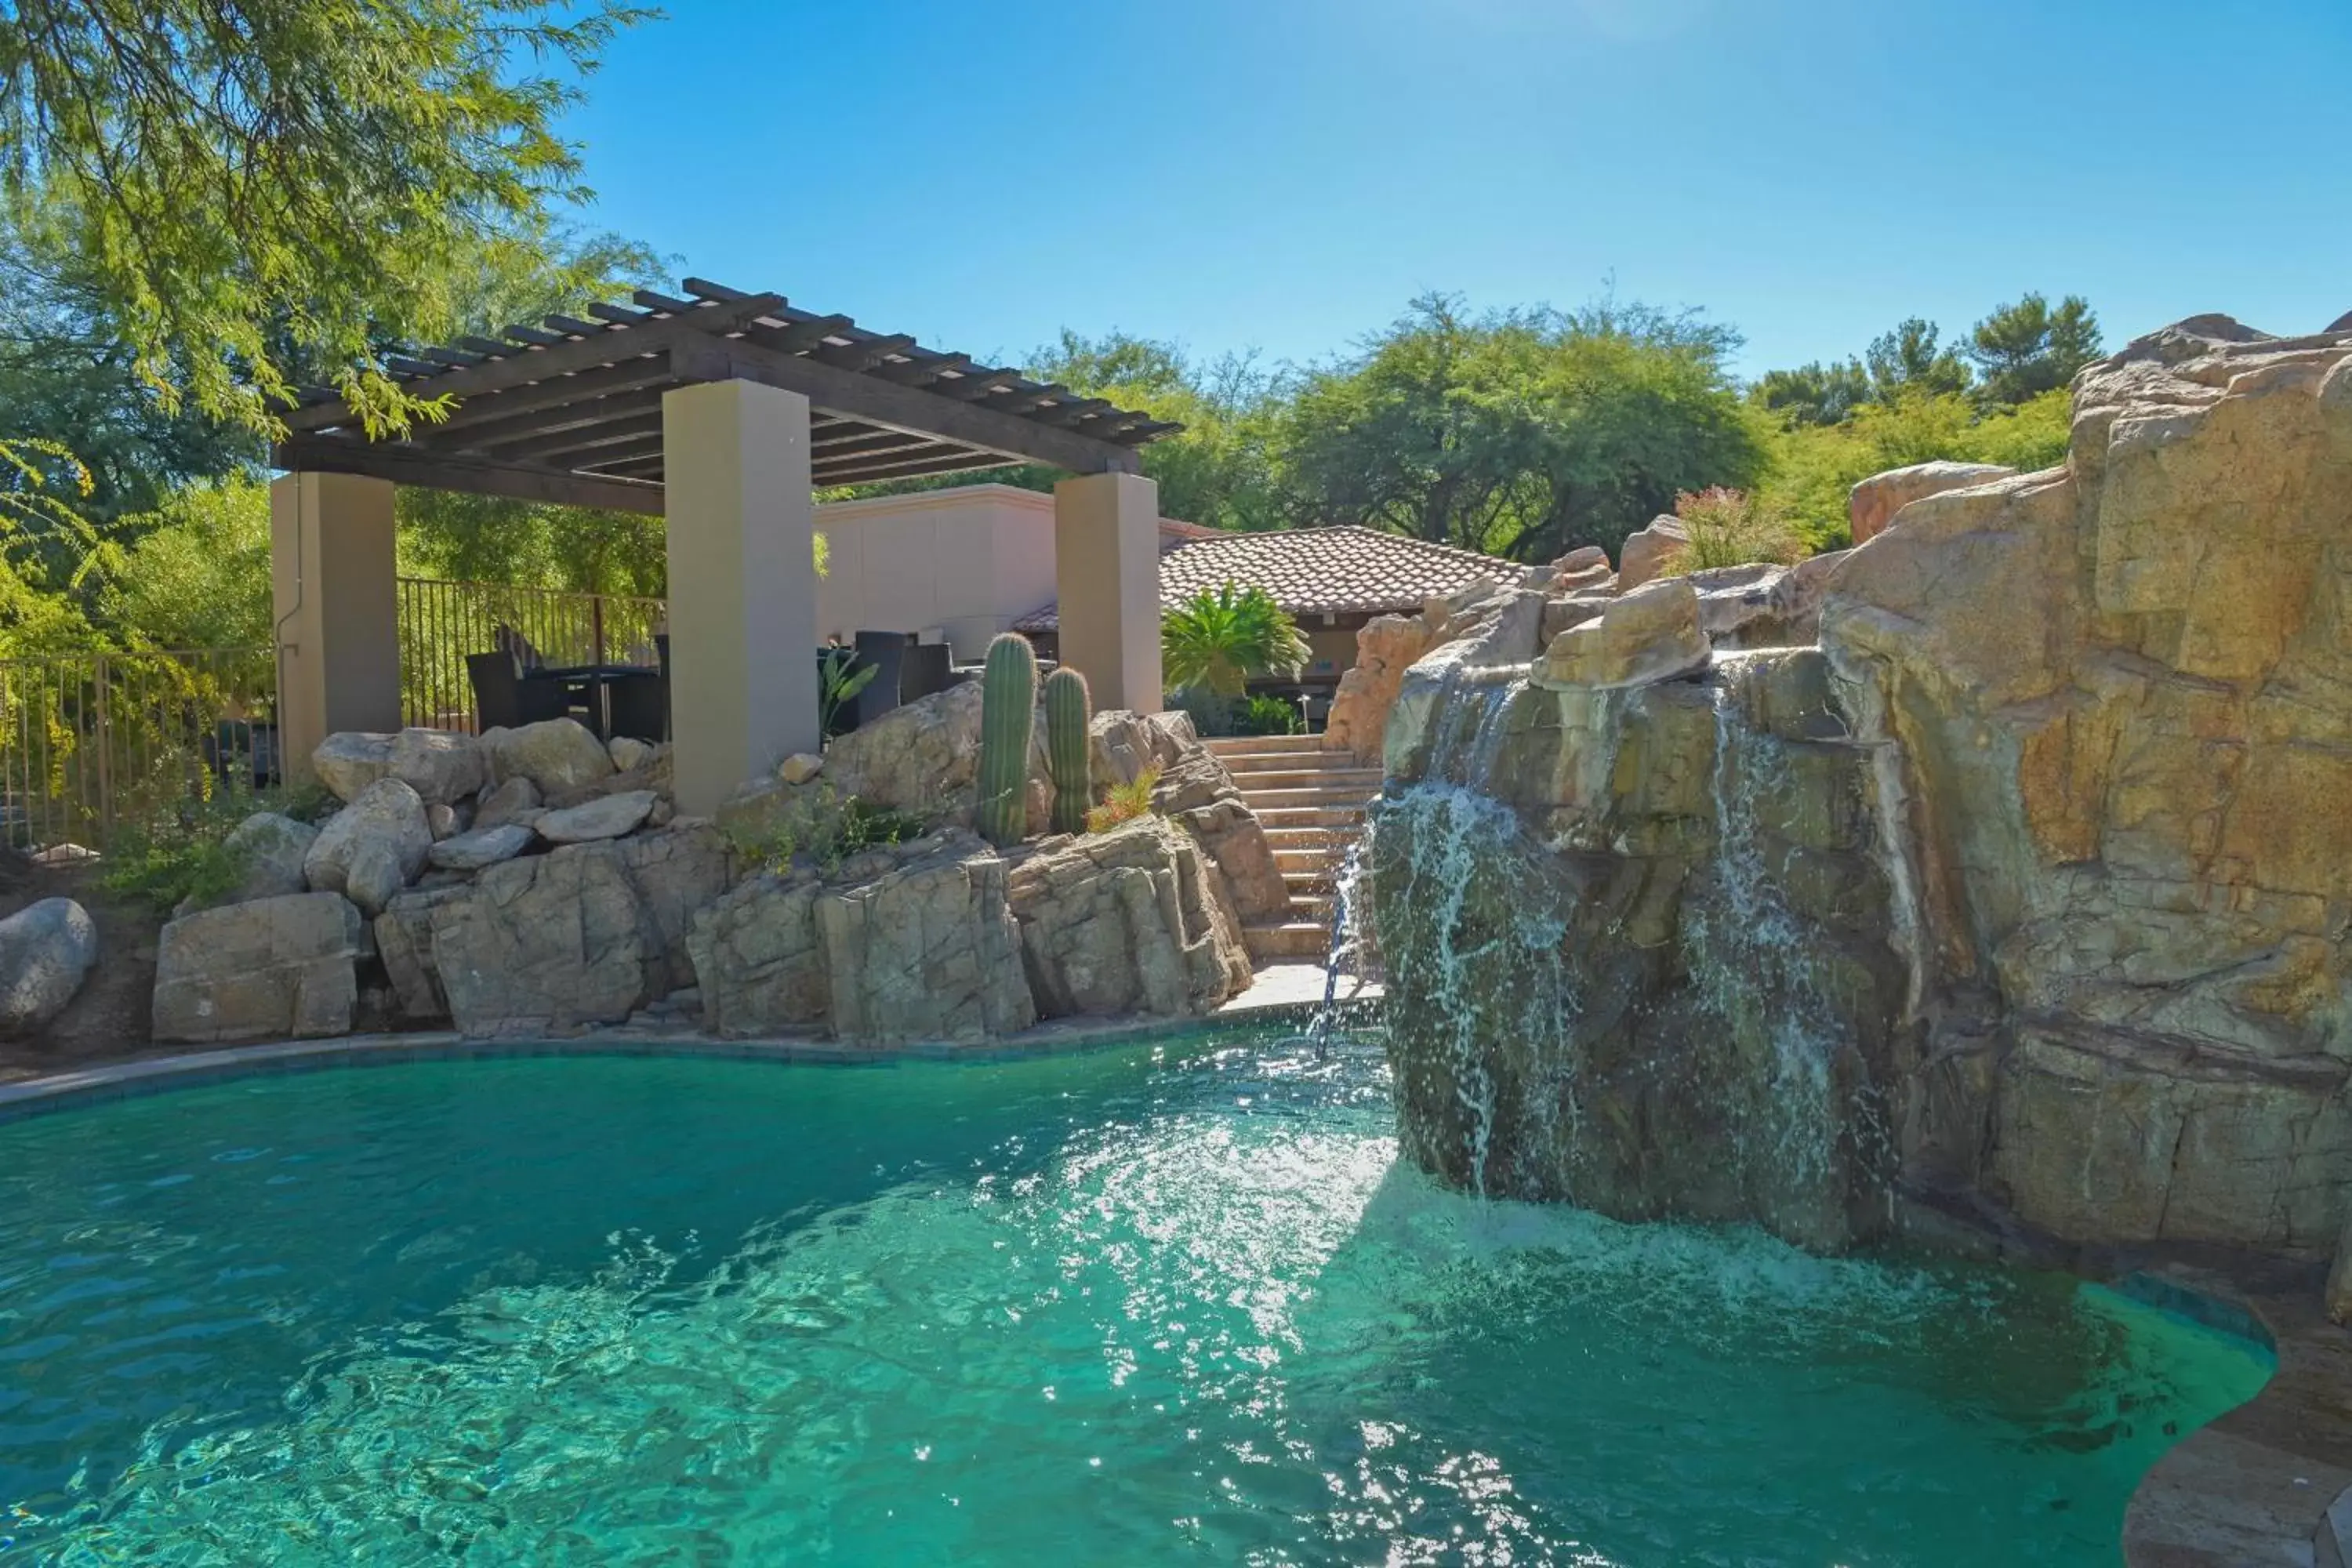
(825, 827)
(1125, 803)
(1732, 528)
(179, 854)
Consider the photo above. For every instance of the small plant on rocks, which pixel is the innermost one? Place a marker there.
(1125, 803)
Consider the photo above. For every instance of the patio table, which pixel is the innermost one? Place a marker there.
(591, 685)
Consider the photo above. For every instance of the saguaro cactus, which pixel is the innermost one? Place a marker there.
(1008, 707)
(1069, 709)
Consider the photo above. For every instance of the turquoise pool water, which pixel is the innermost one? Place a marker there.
(1175, 1304)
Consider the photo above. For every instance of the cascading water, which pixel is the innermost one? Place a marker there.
(1472, 948)
(1752, 961)
(1634, 947)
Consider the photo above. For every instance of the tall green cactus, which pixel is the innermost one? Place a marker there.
(1008, 710)
(1069, 709)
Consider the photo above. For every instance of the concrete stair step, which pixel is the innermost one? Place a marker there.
(1329, 840)
(1263, 800)
(1273, 817)
(1261, 745)
(1290, 939)
(1363, 781)
(1264, 761)
(1317, 862)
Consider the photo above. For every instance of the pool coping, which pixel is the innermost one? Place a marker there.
(184, 1069)
(2253, 1487)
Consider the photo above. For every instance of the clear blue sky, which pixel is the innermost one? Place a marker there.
(1285, 175)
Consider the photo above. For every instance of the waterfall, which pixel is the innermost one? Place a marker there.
(1472, 952)
(1757, 965)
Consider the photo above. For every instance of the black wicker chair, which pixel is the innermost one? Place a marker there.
(503, 699)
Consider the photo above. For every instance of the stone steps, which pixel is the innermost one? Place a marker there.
(1311, 803)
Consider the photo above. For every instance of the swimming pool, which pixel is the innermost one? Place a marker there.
(1169, 1303)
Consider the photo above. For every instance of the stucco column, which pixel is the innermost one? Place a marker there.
(336, 602)
(1106, 581)
(742, 585)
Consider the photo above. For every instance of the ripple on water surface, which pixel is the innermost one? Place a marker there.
(1175, 1304)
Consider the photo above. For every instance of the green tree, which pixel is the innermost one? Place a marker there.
(2027, 349)
(1909, 360)
(1814, 393)
(1521, 432)
(1220, 637)
(260, 192)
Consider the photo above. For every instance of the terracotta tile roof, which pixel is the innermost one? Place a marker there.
(1315, 570)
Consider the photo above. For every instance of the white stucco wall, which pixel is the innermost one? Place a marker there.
(966, 563)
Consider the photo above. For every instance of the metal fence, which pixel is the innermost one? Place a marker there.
(95, 743)
(442, 622)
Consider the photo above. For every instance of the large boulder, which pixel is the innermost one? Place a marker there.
(1871, 505)
(270, 851)
(928, 951)
(1386, 646)
(47, 950)
(2115, 702)
(548, 944)
(1650, 635)
(404, 942)
(557, 755)
(1126, 922)
(506, 803)
(280, 968)
(1194, 791)
(481, 848)
(758, 960)
(606, 817)
(923, 758)
(440, 765)
(1646, 555)
(677, 872)
(373, 847)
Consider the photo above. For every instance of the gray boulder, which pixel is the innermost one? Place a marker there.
(373, 847)
(404, 940)
(1126, 922)
(47, 950)
(506, 803)
(281, 968)
(441, 765)
(271, 850)
(555, 755)
(548, 944)
(758, 961)
(607, 817)
(928, 951)
(484, 846)
(677, 872)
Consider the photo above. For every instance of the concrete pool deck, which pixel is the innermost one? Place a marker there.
(2250, 1490)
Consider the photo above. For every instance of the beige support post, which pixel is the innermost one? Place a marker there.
(742, 585)
(1106, 580)
(334, 588)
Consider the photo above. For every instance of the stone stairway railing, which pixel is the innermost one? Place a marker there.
(1312, 803)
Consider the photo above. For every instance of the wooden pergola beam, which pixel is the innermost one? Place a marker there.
(406, 465)
(913, 409)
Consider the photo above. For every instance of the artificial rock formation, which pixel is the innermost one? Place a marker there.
(1871, 505)
(1125, 923)
(270, 969)
(2028, 885)
(1195, 792)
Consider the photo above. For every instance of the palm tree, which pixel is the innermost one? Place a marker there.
(1220, 637)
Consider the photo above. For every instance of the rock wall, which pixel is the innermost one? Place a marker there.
(2032, 880)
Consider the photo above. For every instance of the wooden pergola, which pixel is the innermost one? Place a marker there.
(570, 410)
(723, 412)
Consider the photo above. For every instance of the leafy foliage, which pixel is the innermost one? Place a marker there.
(265, 193)
(818, 828)
(2029, 349)
(1522, 432)
(1221, 637)
(1124, 803)
(183, 852)
(1732, 528)
(1815, 394)
(1907, 362)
